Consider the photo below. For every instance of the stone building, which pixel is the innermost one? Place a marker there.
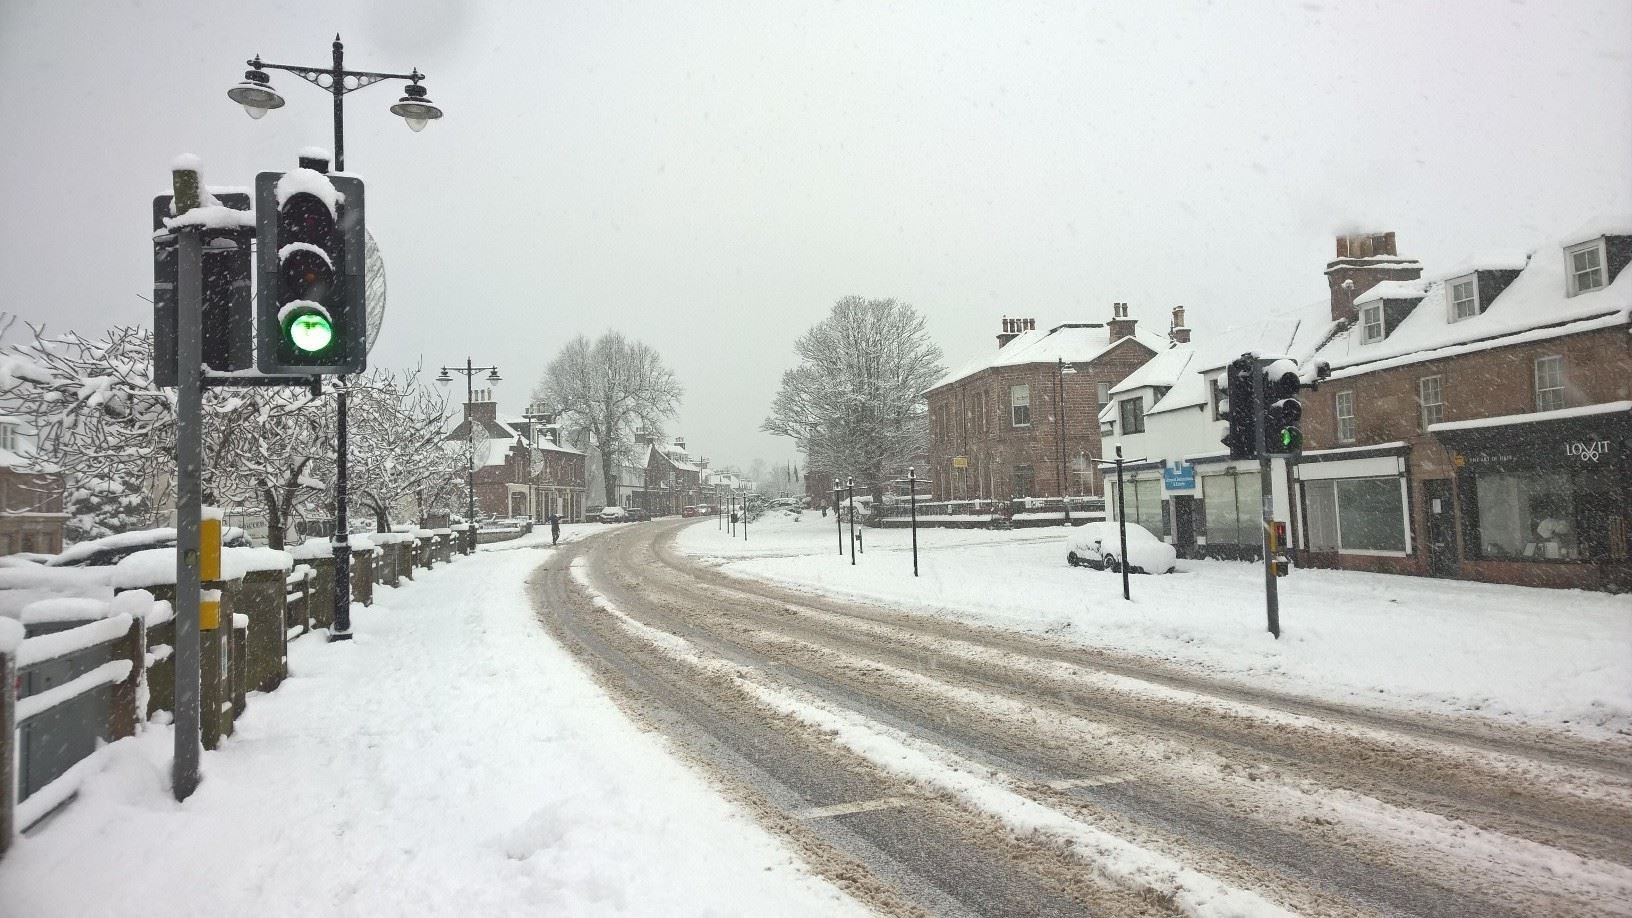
(522, 467)
(31, 510)
(996, 427)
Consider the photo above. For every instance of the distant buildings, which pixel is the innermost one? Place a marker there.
(522, 467)
(31, 510)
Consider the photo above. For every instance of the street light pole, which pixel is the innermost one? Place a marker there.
(258, 97)
(851, 484)
(1121, 514)
(838, 515)
(1059, 431)
(469, 371)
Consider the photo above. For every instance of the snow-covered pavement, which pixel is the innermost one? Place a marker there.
(1550, 658)
(451, 760)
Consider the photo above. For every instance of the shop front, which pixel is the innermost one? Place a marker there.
(1544, 502)
(1355, 508)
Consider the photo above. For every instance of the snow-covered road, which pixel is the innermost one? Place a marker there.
(451, 760)
(1197, 795)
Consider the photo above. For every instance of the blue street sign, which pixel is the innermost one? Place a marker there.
(1180, 477)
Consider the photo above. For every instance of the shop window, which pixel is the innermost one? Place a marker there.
(1549, 383)
(1132, 411)
(1020, 406)
(1233, 509)
(1345, 417)
(1142, 504)
(1431, 397)
(1547, 515)
(1356, 515)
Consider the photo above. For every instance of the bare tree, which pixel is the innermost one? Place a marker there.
(854, 404)
(399, 448)
(606, 390)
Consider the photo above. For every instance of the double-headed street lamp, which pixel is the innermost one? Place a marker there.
(256, 95)
(469, 371)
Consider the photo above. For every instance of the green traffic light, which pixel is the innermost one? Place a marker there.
(310, 332)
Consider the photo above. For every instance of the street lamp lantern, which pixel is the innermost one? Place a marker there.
(444, 379)
(415, 107)
(255, 93)
(494, 378)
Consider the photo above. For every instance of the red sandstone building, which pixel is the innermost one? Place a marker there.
(995, 427)
(522, 467)
(1477, 424)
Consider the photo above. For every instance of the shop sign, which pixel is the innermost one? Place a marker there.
(960, 462)
(1180, 477)
(1587, 450)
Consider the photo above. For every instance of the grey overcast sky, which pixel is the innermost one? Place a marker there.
(710, 177)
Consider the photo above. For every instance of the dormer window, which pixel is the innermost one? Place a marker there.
(1586, 266)
(1371, 323)
(8, 435)
(1464, 298)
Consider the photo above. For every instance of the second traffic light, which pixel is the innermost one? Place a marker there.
(311, 317)
(1282, 410)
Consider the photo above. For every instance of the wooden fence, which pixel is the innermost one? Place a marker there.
(80, 672)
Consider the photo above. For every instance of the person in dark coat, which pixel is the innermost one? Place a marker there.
(555, 528)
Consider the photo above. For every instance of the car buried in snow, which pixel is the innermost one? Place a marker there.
(1099, 545)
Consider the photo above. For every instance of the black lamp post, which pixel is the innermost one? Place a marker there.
(256, 95)
(851, 485)
(838, 514)
(469, 371)
(1059, 431)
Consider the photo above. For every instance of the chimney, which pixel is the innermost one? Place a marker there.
(680, 443)
(642, 438)
(1179, 333)
(1121, 325)
(1363, 260)
(1014, 328)
(482, 407)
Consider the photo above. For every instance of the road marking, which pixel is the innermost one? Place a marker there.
(845, 809)
(1100, 781)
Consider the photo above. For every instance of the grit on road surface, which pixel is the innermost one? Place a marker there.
(930, 766)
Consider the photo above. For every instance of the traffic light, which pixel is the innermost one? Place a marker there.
(1240, 411)
(229, 342)
(1282, 410)
(311, 313)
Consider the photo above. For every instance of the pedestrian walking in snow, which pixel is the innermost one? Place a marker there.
(555, 529)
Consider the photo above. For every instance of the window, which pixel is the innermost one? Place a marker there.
(8, 436)
(1132, 412)
(1103, 393)
(1371, 324)
(1345, 417)
(1545, 515)
(1464, 299)
(1233, 509)
(1359, 515)
(1020, 406)
(1586, 263)
(1142, 502)
(1432, 399)
(1549, 383)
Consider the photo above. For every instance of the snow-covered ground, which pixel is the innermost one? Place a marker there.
(1552, 658)
(451, 760)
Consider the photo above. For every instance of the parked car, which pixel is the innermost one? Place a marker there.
(1099, 545)
(614, 515)
(593, 512)
(637, 515)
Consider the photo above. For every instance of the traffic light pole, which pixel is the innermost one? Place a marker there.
(189, 490)
(1266, 485)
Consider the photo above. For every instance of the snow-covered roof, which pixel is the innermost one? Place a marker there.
(1534, 305)
(1072, 343)
(1396, 290)
(1295, 333)
(1161, 371)
(674, 455)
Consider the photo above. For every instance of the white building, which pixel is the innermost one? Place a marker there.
(1183, 486)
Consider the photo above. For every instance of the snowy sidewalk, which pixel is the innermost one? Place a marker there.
(1560, 659)
(451, 760)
